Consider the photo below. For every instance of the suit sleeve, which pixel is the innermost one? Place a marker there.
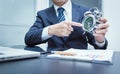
(92, 41)
(34, 35)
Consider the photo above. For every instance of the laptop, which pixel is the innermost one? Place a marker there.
(7, 54)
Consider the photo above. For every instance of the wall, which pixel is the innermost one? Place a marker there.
(111, 10)
(16, 16)
(17, 12)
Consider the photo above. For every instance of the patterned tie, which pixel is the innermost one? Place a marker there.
(61, 16)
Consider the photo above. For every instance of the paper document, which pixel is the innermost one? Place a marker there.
(98, 56)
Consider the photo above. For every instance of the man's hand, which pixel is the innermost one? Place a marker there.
(101, 30)
(62, 29)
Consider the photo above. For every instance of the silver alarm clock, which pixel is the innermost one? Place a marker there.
(91, 19)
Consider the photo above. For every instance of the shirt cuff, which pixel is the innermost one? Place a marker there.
(100, 44)
(45, 34)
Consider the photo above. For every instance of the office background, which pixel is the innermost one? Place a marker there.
(16, 17)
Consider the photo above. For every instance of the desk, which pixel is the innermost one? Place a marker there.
(49, 66)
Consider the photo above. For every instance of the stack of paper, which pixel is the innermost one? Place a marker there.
(98, 56)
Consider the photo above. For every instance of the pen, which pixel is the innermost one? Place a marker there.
(47, 52)
(64, 53)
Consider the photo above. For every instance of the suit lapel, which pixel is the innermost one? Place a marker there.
(76, 13)
(52, 15)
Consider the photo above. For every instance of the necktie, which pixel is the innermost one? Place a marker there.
(61, 16)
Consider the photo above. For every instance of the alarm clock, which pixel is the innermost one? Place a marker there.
(91, 19)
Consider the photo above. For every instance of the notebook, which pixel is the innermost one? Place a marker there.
(7, 54)
(96, 56)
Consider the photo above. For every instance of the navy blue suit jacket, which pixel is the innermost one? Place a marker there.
(76, 39)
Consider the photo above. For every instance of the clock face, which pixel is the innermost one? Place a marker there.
(88, 23)
(91, 19)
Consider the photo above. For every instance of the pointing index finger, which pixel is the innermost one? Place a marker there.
(74, 24)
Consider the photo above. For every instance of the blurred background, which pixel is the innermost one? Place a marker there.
(16, 17)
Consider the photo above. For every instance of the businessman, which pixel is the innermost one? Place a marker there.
(60, 26)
